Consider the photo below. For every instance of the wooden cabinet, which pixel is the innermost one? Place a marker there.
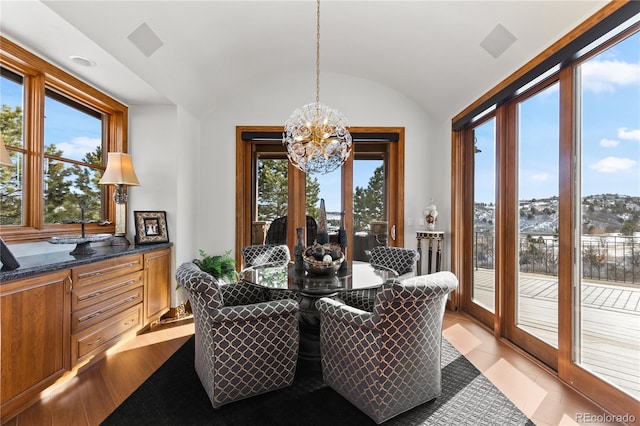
(157, 280)
(66, 319)
(107, 303)
(35, 337)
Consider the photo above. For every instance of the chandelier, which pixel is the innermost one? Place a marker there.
(316, 136)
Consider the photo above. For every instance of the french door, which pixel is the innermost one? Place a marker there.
(368, 189)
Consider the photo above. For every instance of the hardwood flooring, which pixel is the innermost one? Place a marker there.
(91, 396)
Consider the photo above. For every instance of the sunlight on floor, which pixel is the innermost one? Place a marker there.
(523, 391)
(461, 339)
(154, 336)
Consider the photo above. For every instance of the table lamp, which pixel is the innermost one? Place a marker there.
(5, 160)
(120, 173)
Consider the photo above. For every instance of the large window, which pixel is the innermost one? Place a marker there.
(57, 131)
(565, 224)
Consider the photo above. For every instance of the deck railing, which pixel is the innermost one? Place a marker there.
(604, 257)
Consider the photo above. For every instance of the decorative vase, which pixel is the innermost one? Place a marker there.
(298, 250)
(322, 237)
(431, 216)
(342, 240)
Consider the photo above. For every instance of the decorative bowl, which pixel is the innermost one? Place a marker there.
(318, 267)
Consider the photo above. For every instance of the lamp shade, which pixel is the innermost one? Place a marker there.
(119, 170)
(5, 160)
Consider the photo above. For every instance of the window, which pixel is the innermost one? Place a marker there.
(57, 130)
(566, 209)
(274, 197)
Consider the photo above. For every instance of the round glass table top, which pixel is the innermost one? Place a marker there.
(355, 275)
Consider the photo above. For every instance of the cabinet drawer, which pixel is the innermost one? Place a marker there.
(99, 312)
(89, 295)
(100, 337)
(106, 269)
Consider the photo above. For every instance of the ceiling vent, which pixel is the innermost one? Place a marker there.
(498, 41)
(145, 39)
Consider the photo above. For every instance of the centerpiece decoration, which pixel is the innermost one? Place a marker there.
(322, 259)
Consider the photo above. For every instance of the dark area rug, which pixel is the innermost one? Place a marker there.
(173, 395)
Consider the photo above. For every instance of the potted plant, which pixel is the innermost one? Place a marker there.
(221, 266)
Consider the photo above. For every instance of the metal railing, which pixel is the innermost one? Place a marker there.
(604, 257)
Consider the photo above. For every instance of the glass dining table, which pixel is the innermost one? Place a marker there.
(311, 287)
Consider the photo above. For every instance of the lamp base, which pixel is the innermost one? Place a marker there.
(119, 240)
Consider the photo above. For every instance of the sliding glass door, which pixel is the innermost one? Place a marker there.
(606, 307)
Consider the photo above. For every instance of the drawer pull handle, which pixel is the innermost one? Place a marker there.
(98, 313)
(95, 341)
(100, 293)
(131, 321)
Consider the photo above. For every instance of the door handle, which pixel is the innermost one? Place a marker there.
(393, 232)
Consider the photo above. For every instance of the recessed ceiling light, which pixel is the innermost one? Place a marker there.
(81, 60)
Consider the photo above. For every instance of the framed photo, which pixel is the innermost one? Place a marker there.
(9, 262)
(151, 227)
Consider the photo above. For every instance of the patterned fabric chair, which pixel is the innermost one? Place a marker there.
(246, 339)
(387, 361)
(266, 254)
(400, 259)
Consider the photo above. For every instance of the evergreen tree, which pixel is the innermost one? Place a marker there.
(368, 203)
(10, 181)
(273, 190)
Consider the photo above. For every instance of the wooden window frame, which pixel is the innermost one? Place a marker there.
(245, 177)
(39, 75)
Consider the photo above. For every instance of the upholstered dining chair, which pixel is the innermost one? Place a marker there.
(387, 360)
(266, 254)
(399, 259)
(246, 336)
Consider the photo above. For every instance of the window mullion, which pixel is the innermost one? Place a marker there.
(34, 142)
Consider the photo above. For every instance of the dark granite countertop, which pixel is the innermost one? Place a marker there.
(48, 262)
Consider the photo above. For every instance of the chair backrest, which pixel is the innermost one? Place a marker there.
(203, 290)
(413, 305)
(261, 254)
(400, 259)
(277, 232)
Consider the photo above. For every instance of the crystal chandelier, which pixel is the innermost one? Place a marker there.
(316, 136)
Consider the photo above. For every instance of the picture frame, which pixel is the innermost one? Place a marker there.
(151, 227)
(9, 262)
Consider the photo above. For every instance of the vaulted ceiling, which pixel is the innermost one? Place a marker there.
(428, 50)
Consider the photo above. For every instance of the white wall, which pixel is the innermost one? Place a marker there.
(363, 102)
(153, 145)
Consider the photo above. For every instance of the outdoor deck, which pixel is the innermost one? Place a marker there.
(610, 318)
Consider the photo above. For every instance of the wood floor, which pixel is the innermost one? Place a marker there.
(88, 398)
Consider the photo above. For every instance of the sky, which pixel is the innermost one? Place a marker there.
(610, 132)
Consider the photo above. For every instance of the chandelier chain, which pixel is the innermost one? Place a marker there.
(318, 53)
(316, 136)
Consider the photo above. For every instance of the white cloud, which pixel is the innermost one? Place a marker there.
(623, 133)
(540, 176)
(604, 76)
(78, 147)
(609, 143)
(613, 164)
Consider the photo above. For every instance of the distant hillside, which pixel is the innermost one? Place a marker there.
(605, 213)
